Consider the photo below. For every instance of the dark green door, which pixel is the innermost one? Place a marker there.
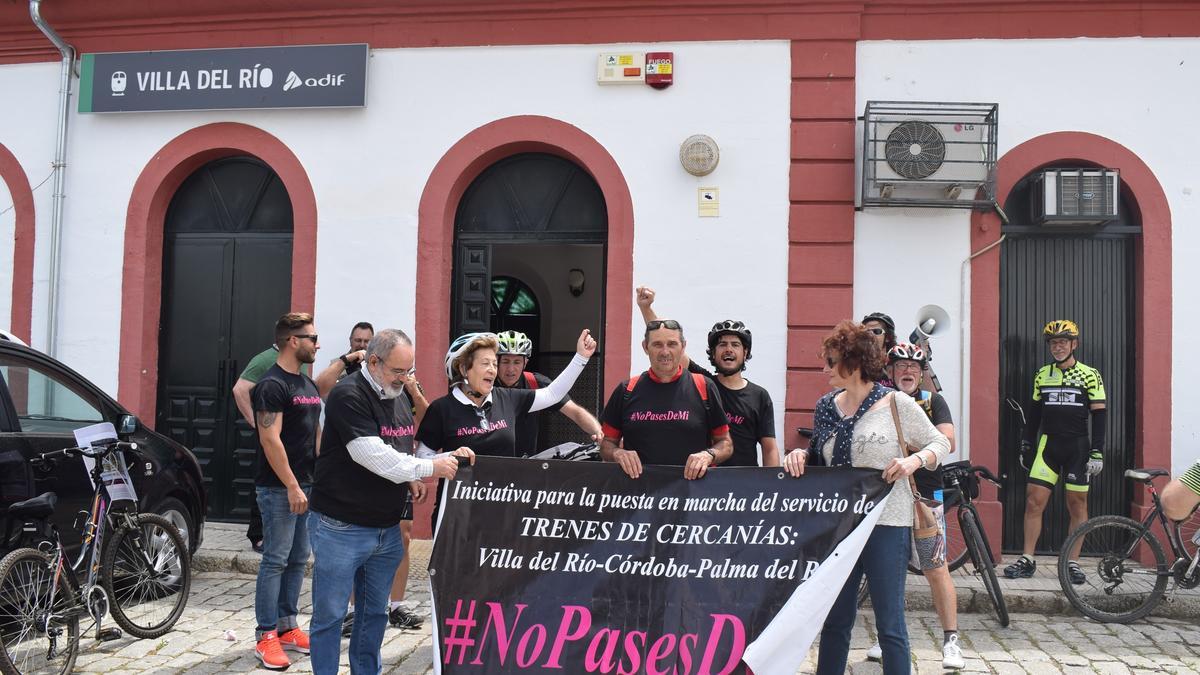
(227, 260)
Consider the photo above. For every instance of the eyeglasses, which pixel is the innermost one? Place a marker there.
(312, 336)
(875, 331)
(906, 365)
(669, 324)
(404, 373)
(830, 361)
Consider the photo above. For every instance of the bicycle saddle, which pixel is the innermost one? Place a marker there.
(40, 506)
(1146, 475)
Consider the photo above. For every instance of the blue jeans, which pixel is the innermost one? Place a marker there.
(885, 562)
(351, 557)
(285, 553)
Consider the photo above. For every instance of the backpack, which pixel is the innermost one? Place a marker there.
(697, 379)
(530, 381)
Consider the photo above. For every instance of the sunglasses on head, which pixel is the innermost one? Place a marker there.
(669, 324)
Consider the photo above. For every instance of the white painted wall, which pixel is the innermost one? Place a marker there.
(1140, 93)
(369, 166)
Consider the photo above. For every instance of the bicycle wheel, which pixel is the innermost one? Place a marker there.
(1188, 532)
(147, 573)
(1125, 567)
(985, 567)
(38, 635)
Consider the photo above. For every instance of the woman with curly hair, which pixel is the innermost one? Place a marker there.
(854, 427)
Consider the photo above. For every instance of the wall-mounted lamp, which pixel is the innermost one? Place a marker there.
(575, 281)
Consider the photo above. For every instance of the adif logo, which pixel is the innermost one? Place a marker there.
(294, 81)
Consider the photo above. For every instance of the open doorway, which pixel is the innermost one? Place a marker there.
(530, 246)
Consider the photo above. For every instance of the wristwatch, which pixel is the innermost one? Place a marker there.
(345, 360)
(711, 454)
(921, 457)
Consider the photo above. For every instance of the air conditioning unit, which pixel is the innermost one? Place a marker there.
(1076, 196)
(929, 154)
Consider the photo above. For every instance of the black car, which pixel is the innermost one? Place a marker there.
(42, 403)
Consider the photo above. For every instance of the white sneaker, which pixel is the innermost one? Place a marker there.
(952, 657)
(875, 653)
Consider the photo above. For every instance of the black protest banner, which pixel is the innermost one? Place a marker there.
(575, 567)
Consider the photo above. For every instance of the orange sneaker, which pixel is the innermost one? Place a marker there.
(270, 652)
(295, 640)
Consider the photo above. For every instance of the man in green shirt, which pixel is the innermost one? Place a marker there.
(250, 376)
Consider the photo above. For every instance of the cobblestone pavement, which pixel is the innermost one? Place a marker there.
(1034, 643)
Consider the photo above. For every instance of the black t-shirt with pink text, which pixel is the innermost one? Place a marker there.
(490, 430)
(751, 417)
(664, 422)
(345, 489)
(294, 396)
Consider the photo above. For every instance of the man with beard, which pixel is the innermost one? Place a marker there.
(287, 410)
(665, 415)
(906, 367)
(361, 496)
(749, 407)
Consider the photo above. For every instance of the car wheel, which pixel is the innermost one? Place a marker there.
(173, 510)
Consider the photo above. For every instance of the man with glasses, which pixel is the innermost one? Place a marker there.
(287, 411)
(665, 415)
(364, 476)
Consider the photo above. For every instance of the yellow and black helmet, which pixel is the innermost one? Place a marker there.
(1061, 328)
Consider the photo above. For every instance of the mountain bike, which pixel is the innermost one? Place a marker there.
(1124, 563)
(134, 566)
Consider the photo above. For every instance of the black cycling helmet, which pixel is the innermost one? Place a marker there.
(889, 327)
(728, 327)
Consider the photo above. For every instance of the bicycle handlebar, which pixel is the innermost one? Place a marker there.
(95, 451)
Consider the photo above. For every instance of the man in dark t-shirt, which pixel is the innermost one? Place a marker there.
(515, 351)
(665, 415)
(749, 407)
(363, 477)
(287, 411)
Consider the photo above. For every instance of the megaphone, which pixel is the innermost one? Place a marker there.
(931, 320)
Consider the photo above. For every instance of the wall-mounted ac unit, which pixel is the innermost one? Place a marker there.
(1076, 196)
(929, 154)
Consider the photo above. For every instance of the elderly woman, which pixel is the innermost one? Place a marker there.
(477, 414)
(853, 426)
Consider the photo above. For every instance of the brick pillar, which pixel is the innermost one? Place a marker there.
(821, 219)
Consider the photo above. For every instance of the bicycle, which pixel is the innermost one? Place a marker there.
(962, 481)
(1130, 573)
(141, 576)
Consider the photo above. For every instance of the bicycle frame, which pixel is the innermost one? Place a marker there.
(1172, 530)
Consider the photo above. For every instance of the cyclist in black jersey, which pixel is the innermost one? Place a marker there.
(749, 407)
(1067, 395)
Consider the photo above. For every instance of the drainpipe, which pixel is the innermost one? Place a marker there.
(60, 168)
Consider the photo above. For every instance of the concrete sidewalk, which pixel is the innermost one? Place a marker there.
(226, 549)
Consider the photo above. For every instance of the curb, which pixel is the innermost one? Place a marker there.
(971, 599)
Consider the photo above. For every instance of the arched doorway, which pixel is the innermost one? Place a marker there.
(540, 222)
(226, 277)
(1086, 274)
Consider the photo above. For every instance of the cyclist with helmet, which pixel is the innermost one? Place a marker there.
(906, 367)
(1067, 394)
(748, 405)
(481, 416)
(515, 351)
(884, 329)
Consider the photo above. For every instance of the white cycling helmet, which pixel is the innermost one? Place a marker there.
(458, 346)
